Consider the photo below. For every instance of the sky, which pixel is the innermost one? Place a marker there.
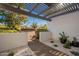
(37, 10)
(35, 20)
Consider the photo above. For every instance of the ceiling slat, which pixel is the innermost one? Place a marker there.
(35, 6)
(47, 9)
(10, 8)
(68, 10)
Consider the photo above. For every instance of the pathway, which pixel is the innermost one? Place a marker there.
(41, 49)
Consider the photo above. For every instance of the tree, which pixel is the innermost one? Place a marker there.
(44, 27)
(34, 26)
(13, 20)
(2, 16)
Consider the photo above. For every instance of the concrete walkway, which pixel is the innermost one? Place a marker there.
(41, 49)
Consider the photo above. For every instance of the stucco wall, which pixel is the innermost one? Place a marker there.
(12, 40)
(68, 23)
(44, 36)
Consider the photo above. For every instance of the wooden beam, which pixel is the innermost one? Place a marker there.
(35, 6)
(20, 11)
(53, 9)
(58, 10)
(46, 10)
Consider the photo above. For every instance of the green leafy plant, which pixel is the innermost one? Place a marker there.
(63, 38)
(34, 26)
(75, 53)
(13, 20)
(67, 44)
(75, 43)
(11, 53)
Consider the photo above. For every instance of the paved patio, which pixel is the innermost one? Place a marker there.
(41, 49)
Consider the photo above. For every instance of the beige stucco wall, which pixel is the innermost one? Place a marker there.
(44, 36)
(68, 23)
(12, 40)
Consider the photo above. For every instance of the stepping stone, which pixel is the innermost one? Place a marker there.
(54, 52)
(58, 53)
(43, 49)
(51, 51)
(62, 54)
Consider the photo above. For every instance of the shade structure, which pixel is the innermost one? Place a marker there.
(44, 11)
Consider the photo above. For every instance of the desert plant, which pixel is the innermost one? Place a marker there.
(63, 37)
(75, 53)
(67, 44)
(11, 53)
(74, 40)
(75, 43)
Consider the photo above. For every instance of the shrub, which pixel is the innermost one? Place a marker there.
(75, 43)
(11, 53)
(67, 44)
(75, 53)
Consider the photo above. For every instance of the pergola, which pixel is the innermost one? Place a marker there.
(48, 43)
(44, 11)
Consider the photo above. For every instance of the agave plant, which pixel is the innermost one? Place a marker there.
(63, 38)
